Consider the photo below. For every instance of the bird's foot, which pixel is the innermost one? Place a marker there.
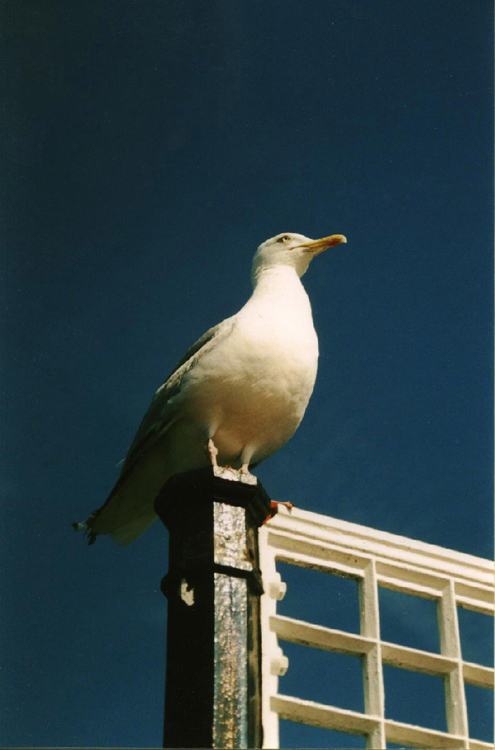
(234, 475)
(245, 475)
(242, 475)
(274, 509)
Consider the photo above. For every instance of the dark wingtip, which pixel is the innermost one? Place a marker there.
(87, 527)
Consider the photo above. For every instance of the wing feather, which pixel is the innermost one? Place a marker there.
(160, 416)
(155, 423)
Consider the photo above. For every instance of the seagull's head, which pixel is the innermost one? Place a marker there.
(293, 250)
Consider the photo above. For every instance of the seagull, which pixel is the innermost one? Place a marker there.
(234, 399)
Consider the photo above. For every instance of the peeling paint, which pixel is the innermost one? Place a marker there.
(186, 593)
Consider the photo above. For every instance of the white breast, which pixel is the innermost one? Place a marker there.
(251, 391)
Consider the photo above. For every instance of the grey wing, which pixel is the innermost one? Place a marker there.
(160, 416)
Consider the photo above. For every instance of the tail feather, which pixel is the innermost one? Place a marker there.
(123, 534)
(127, 534)
(87, 527)
(129, 509)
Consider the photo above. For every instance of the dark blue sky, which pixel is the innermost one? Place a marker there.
(150, 147)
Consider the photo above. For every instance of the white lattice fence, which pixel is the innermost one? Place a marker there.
(374, 559)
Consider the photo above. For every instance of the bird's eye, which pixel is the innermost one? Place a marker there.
(285, 238)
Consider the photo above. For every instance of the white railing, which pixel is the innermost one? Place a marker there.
(374, 559)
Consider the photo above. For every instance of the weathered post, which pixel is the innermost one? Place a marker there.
(213, 680)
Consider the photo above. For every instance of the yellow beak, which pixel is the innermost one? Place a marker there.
(319, 246)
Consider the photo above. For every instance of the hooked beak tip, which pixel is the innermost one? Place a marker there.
(319, 246)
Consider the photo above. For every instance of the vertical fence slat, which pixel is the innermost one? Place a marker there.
(374, 702)
(270, 650)
(450, 644)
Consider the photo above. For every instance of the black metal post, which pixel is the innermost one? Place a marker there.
(213, 681)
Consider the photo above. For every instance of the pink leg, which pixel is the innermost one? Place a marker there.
(212, 452)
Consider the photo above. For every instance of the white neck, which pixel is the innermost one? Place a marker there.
(276, 323)
(278, 291)
(277, 280)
